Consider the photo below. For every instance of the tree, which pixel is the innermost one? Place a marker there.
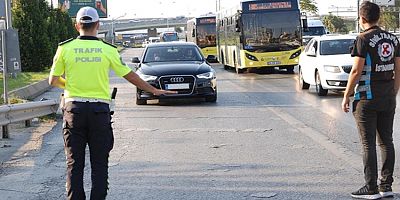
(308, 6)
(388, 21)
(334, 24)
(40, 29)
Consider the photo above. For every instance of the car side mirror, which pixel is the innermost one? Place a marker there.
(312, 52)
(135, 60)
(351, 49)
(212, 59)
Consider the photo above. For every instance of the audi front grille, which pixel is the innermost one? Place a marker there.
(183, 84)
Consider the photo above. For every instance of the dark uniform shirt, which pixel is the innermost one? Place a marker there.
(379, 48)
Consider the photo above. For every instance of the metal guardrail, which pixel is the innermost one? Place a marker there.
(26, 111)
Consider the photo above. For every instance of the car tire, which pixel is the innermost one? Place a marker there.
(141, 102)
(303, 85)
(138, 100)
(212, 98)
(320, 90)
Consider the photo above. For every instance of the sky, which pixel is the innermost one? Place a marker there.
(172, 8)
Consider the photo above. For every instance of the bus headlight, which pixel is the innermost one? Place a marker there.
(251, 57)
(331, 69)
(296, 54)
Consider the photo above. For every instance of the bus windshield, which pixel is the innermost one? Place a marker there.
(313, 31)
(267, 32)
(169, 37)
(206, 35)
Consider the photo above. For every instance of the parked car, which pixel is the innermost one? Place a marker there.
(176, 66)
(326, 62)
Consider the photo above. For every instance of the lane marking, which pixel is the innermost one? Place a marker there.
(354, 160)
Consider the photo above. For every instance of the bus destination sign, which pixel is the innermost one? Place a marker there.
(207, 21)
(270, 6)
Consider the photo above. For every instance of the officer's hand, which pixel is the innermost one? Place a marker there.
(346, 104)
(163, 92)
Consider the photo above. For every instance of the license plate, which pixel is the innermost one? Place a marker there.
(181, 86)
(274, 63)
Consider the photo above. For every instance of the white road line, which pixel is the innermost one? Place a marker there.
(354, 160)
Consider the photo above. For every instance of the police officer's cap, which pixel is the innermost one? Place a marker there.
(87, 15)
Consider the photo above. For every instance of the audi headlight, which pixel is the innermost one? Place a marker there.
(331, 69)
(147, 78)
(208, 75)
(251, 57)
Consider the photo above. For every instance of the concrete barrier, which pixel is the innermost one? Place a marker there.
(31, 91)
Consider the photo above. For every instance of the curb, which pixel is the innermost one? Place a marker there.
(31, 91)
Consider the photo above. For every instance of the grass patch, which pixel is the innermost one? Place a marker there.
(23, 79)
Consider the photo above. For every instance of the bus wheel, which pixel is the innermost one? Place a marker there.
(239, 71)
(290, 69)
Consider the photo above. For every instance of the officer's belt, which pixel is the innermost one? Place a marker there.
(80, 99)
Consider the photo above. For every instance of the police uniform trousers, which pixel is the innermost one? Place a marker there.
(87, 123)
(375, 118)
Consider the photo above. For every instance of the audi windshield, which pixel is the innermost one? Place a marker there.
(172, 53)
(267, 32)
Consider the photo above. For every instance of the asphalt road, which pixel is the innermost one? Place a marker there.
(264, 138)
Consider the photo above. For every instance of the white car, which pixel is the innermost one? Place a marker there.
(326, 63)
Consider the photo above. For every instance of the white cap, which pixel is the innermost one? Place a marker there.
(89, 13)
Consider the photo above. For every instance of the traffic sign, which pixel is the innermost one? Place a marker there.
(13, 60)
(72, 6)
(390, 9)
(3, 9)
(385, 2)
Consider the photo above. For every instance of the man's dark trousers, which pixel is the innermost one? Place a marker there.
(375, 118)
(87, 123)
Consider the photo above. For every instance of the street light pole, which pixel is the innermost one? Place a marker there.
(113, 28)
(8, 14)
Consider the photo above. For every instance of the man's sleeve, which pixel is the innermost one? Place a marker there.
(359, 48)
(58, 67)
(118, 66)
(397, 48)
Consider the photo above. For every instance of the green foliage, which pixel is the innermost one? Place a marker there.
(24, 79)
(178, 29)
(308, 6)
(40, 29)
(388, 21)
(334, 24)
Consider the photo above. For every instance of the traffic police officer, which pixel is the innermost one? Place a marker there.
(375, 77)
(85, 62)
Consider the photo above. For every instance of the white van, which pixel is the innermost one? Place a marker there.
(315, 28)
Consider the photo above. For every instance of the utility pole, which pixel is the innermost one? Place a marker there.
(8, 14)
(5, 129)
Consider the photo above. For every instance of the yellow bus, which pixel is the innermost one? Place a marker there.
(202, 31)
(259, 34)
